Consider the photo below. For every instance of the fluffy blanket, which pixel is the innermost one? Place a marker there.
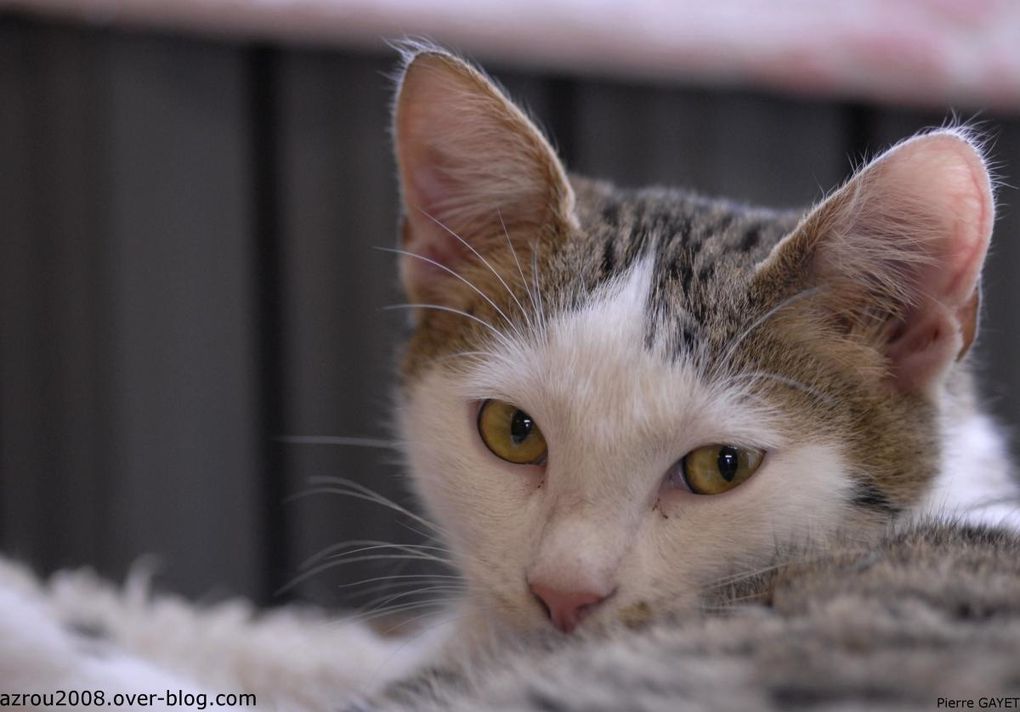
(76, 636)
(928, 618)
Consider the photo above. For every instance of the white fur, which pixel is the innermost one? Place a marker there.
(290, 659)
(976, 483)
(616, 415)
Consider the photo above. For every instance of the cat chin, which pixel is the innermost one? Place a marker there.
(481, 622)
(473, 632)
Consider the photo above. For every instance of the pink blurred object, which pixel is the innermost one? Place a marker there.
(928, 52)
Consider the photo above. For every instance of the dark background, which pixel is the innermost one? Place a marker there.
(187, 272)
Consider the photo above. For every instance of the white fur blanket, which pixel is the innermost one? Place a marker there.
(79, 634)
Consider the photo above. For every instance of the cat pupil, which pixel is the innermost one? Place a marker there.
(728, 462)
(520, 427)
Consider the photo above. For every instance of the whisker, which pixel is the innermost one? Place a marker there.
(427, 536)
(790, 382)
(332, 485)
(332, 564)
(366, 545)
(477, 254)
(415, 619)
(381, 501)
(323, 489)
(386, 602)
(352, 557)
(744, 575)
(348, 556)
(478, 355)
(443, 267)
(789, 301)
(390, 588)
(439, 307)
(543, 323)
(520, 270)
(388, 584)
(394, 610)
(353, 441)
(337, 561)
(732, 603)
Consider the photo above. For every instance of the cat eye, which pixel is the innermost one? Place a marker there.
(715, 469)
(510, 433)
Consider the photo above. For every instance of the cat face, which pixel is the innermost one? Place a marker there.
(613, 400)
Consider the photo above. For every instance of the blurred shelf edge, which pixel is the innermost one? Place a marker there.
(917, 54)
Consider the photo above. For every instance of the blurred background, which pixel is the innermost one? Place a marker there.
(190, 194)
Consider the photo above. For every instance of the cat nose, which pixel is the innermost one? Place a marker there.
(565, 608)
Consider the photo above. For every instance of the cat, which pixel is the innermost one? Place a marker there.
(612, 400)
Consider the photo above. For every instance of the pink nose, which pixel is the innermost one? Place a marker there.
(565, 608)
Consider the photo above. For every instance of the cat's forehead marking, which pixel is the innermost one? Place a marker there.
(703, 252)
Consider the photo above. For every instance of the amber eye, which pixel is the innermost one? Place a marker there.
(510, 433)
(715, 469)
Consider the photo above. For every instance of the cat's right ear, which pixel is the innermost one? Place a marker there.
(474, 170)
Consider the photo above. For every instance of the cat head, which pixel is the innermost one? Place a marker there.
(613, 399)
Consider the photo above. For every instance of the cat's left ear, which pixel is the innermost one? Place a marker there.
(473, 171)
(896, 253)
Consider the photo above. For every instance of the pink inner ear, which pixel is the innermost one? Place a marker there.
(930, 340)
(428, 245)
(947, 177)
(968, 246)
(425, 188)
(425, 191)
